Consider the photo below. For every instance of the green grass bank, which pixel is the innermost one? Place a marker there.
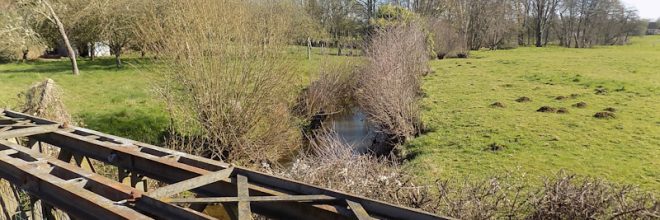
(463, 124)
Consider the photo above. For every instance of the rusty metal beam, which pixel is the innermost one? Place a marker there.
(192, 183)
(358, 210)
(293, 198)
(24, 132)
(171, 167)
(69, 196)
(244, 211)
(116, 200)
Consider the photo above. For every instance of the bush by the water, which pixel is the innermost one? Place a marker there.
(388, 87)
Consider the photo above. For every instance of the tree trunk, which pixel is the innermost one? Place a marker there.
(92, 51)
(117, 60)
(60, 27)
(539, 33)
(25, 55)
(309, 48)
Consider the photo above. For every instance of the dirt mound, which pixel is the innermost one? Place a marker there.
(497, 105)
(562, 110)
(605, 115)
(580, 105)
(547, 109)
(495, 147)
(524, 99)
(561, 97)
(574, 95)
(609, 109)
(601, 91)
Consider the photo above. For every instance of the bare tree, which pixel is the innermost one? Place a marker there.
(543, 11)
(44, 8)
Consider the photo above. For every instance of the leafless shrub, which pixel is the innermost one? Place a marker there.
(333, 164)
(389, 86)
(227, 83)
(328, 93)
(569, 197)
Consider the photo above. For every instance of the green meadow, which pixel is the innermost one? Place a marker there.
(466, 136)
(469, 137)
(123, 101)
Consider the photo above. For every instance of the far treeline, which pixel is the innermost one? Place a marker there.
(454, 27)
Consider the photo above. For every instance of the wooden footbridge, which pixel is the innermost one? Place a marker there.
(61, 182)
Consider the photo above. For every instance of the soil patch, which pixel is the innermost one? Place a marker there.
(580, 105)
(574, 95)
(609, 109)
(494, 147)
(561, 97)
(601, 91)
(497, 105)
(524, 99)
(547, 109)
(562, 111)
(605, 115)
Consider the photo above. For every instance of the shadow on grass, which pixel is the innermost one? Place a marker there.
(64, 65)
(133, 124)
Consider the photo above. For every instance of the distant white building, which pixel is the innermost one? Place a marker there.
(653, 29)
(101, 49)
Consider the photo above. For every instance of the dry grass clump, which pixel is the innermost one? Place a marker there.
(227, 82)
(44, 100)
(388, 87)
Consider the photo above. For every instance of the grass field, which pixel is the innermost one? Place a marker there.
(120, 101)
(463, 125)
(456, 109)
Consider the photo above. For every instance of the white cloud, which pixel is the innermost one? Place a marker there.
(647, 8)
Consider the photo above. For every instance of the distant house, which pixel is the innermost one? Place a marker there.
(100, 49)
(653, 29)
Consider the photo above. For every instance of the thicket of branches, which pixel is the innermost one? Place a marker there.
(389, 85)
(227, 84)
(333, 164)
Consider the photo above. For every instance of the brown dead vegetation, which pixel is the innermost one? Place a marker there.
(388, 87)
(563, 196)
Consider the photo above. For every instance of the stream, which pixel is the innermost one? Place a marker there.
(354, 129)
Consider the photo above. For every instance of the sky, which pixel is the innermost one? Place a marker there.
(647, 8)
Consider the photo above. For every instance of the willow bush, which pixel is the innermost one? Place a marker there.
(226, 82)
